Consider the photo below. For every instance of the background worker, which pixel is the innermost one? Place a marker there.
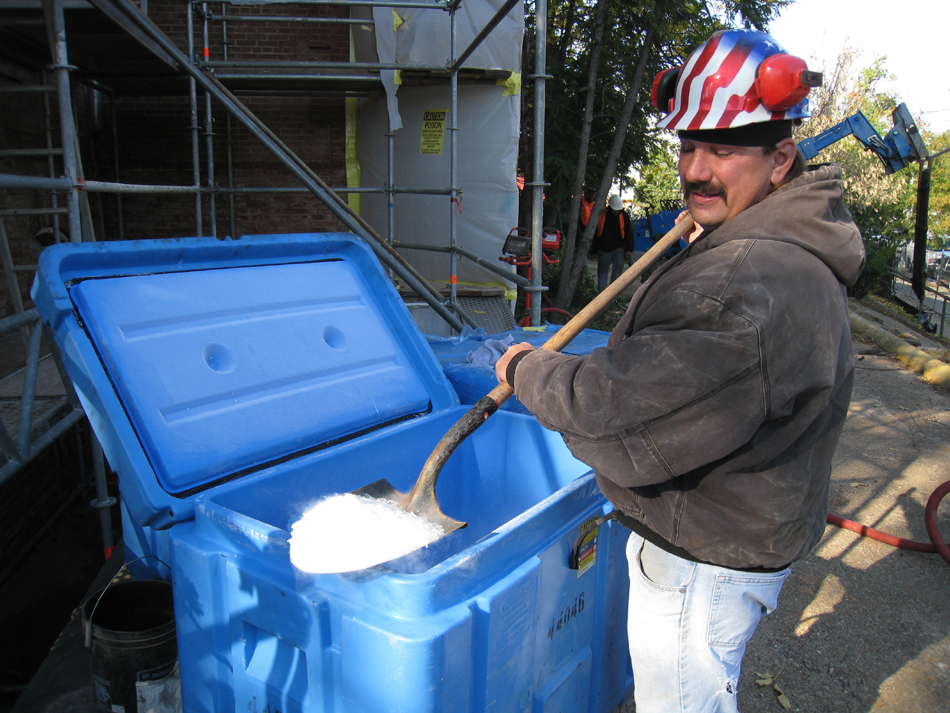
(587, 206)
(613, 236)
(712, 415)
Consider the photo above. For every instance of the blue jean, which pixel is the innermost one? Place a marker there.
(605, 260)
(688, 625)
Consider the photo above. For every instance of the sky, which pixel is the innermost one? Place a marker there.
(911, 34)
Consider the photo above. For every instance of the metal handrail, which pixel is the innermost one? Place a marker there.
(34, 437)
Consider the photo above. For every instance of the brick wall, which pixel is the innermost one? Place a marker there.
(21, 127)
(155, 142)
(155, 148)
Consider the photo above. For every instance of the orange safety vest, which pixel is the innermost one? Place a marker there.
(603, 217)
(586, 207)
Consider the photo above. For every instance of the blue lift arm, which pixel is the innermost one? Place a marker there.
(901, 146)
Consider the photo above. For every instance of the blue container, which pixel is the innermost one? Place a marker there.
(472, 382)
(235, 383)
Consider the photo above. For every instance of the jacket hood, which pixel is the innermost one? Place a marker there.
(808, 212)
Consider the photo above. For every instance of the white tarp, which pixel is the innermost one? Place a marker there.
(487, 139)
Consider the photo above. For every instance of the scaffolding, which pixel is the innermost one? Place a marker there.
(220, 81)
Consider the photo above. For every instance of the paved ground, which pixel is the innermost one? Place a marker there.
(861, 627)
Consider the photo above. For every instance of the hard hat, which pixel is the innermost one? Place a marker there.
(615, 202)
(735, 78)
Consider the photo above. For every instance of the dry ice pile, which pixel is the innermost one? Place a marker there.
(347, 532)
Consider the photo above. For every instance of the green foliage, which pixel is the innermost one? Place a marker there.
(658, 185)
(585, 292)
(570, 28)
(752, 13)
(876, 278)
(883, 205)
(939, 221)
(586, 289)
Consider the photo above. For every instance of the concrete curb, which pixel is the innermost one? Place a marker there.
(933, 370)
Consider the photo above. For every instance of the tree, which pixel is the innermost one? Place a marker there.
(882, 204)
(658, 186)
(939, 221)
(599, 121)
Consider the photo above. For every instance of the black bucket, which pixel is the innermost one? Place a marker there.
(131, 628)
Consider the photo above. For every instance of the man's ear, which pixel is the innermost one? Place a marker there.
(783, 157)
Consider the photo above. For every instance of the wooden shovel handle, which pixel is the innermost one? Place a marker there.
(424, 488)
(579, 323)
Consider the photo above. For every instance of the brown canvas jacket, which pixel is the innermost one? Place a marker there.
(712, 415)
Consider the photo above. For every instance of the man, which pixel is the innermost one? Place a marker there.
(587, 206)
(712, 415)
(613, 236)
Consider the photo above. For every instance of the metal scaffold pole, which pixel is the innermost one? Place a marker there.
(229, 141)
(209, 131)
(50, 162)
(453, 163)
(537, 187)
(193, 106)
(56, 25)
(120, 217)
(390, 194)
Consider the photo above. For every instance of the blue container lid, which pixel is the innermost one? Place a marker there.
(224, 356)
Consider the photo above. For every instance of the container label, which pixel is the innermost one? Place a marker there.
(162, 696)
(103, 693)
(515, 616)
(587, 547)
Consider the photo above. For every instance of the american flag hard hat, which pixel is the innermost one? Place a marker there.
(735, 78)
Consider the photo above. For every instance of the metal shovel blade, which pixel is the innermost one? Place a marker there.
(424, 505)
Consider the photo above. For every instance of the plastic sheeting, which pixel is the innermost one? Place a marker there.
(487, 142)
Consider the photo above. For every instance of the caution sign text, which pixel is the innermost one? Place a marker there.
(433, 131)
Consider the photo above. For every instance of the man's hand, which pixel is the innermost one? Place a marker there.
(501, 365)
(697, 231)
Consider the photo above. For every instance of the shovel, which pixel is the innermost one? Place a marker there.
(421, 499)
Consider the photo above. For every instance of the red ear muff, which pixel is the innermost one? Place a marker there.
(664, 89)
(783, 81)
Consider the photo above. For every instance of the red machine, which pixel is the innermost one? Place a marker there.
(517, 252)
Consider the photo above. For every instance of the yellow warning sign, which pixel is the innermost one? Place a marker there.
(586, 547)
(433, 131)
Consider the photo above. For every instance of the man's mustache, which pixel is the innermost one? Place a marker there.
(705, 188)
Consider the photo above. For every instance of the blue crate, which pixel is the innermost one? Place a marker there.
(472, 382)
(491, 619)
(233, 384)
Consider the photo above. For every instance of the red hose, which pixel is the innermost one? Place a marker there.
(930, 518)
(936, 543)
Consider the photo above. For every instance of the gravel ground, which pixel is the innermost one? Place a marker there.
(862, 626)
